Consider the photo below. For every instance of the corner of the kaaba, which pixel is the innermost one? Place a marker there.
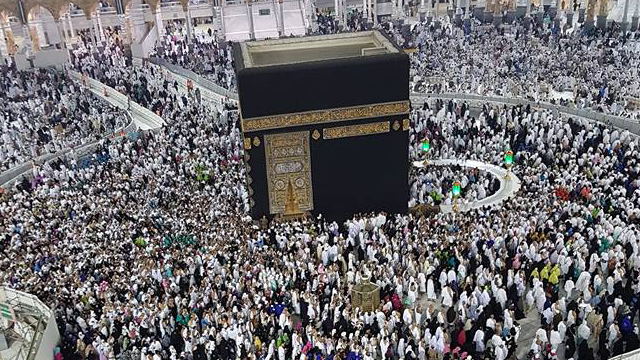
(333, 130)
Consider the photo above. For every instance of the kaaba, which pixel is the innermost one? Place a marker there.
(325, 121)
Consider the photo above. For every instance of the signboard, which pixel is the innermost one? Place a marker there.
(265, 11)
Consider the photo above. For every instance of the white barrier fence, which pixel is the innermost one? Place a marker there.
(39, 343)
(508, 188)
(143, 117)
(212, 90)
(631, 355)
(619, 122)
(8, 177)
(140, 117)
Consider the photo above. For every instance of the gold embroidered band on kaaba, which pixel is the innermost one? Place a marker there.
(356, 130)
(325, 116)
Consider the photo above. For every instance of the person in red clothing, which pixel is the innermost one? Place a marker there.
(585, 192)
(461, 338)
(562, 193)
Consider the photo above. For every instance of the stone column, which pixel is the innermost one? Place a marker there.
(281, 12)
(39, 25)
(96, 29)
(512, 11)
(400, 9)
(429, 7)
(558, 13)
(422, 11)
(527, 15)
(590, 13)
(61, 34)
(343, 11)
(636, 15)
(625, 16)
(521, 8)
(313, 16)
(602, 14)
(160, 25)
(100, 27)
(497, 13)
(252, 30)
(64, 29)
(478, 10)
(374, 10)
(92, 32)
(582, 11)
(467, 15)
(488, 11)
(569, 12)
(189, 29)
(4, 50)
(364, 10)
(553, 8)
(28, 43)
(72, 33)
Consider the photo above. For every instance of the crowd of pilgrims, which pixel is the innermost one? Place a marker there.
(44, 112)
(151, 255)
(211, 57)
(598, 72)
(432, 184)
(149, 252)
(206, 55)
(539, 65)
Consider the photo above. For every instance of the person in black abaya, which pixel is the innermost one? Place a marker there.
(570, 340)
(632, 340)
(603, 352)
(585, 352)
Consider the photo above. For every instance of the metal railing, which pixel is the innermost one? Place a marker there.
(17, 172)
(145, 116)
(619, 122)
(632, 355)
(199, 80)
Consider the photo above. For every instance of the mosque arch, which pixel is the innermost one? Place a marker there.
(50, 6)
(9, 8)
(88, 6)
(6, 18)
(43, 27)
(65, 7)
